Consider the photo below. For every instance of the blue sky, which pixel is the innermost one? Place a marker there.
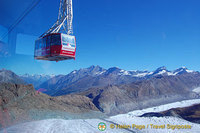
(130, 34)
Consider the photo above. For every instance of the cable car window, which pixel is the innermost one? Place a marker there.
(39, 44)
(68, 40)
(48, 41)
(55, 39)
(44, 42)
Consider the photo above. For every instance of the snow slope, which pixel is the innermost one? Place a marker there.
(197, 90)
(91, 125)
(164, 107)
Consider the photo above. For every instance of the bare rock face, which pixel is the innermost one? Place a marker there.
(77, 101)
(23, 103)
(7, 76)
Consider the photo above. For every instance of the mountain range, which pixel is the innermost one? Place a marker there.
(115, 90)
(96, 76)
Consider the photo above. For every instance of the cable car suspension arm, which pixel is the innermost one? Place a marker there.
(64, 20)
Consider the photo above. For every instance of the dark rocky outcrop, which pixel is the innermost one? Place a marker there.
(191, 113)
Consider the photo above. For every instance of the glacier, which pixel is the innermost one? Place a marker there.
(91, 125)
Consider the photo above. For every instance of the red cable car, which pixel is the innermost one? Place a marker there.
(55, 47)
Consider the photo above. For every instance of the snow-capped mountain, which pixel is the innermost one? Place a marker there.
(35, 79)
(161, 71)
(92, 70)
(37, 76)
(117, 71)
(97, 70)
(164, 71)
